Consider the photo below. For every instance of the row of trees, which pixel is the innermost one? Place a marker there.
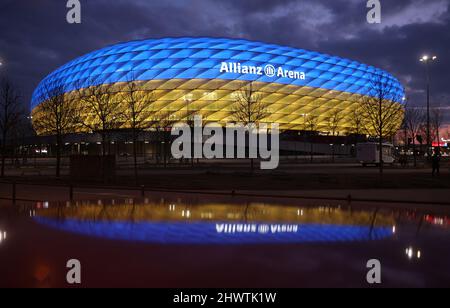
(101, 109)
(106, 108)
(415, 127)
(378, 114)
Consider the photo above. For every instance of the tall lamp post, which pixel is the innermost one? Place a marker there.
(427, 60)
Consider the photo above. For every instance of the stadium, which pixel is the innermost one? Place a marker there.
(204, 75)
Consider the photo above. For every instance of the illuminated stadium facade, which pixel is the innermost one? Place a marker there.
(204, 76)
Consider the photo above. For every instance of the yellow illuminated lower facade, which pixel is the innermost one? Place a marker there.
(288, 105)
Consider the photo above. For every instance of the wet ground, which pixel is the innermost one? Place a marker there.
(175, 240)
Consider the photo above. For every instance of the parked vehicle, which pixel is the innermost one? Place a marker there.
(369, 154)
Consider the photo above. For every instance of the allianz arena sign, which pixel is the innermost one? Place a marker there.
(268, 70)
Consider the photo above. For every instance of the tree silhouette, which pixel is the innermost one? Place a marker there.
(11, 113)
(382, 110)
(249, 109)
(136, 113)
(56, 116)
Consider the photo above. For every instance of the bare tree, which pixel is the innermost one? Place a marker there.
(334, 121)
(23, 130)
(101, 111)
(447, 132)
(249, 109)
(56, 116)
(358, 123)
(424, 132)
(190, 114)
(136, 114)
(404, 129)
(437, 120)
(11, 112)
(311, 126)
(162, 122)
(414, 121)
(382, 110)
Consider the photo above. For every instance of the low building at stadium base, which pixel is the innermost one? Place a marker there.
(204, 76)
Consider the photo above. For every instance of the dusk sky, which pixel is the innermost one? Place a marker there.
(35, 38)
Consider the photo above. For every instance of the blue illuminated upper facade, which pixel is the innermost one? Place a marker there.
(201, 58)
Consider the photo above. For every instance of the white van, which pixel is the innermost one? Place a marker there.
(369, 153)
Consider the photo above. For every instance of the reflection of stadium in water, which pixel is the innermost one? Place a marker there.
(198, 240)
(166, 221)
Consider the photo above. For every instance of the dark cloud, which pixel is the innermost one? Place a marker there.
(35, 38)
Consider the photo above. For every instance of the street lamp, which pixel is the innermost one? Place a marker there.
(427, 59)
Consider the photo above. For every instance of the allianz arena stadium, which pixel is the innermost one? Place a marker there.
(204, 76)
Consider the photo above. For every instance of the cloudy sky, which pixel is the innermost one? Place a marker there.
(35, 38)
